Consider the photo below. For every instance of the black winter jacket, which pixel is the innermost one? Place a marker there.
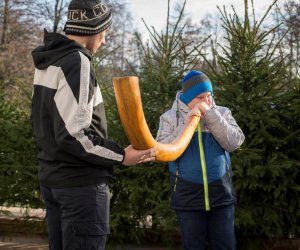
(68, 116)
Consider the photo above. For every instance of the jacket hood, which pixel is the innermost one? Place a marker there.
(55, 47)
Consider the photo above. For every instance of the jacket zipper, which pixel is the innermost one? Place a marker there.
(203, 166)
(175, 184)
(177, 170)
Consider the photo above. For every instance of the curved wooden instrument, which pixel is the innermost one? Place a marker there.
(128, 97)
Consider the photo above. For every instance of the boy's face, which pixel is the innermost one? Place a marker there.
(203, 97)
(96, 41)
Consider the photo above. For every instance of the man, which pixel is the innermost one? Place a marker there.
(75, 157)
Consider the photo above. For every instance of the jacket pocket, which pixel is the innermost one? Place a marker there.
(188, 195)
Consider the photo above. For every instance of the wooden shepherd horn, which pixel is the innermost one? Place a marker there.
(131, 113)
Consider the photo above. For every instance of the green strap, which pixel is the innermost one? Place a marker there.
(203, 165)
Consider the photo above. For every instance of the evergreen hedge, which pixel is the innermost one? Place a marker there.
(253, 81)
(18, 171)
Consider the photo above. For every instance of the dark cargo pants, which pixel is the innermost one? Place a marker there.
(77, 217)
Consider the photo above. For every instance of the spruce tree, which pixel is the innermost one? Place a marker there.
(252, 80)
(143, 190)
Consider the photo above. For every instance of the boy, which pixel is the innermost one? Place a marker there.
(202, 194)
(75, 157)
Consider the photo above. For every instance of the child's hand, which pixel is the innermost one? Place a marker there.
(203, 106)
(193, 112)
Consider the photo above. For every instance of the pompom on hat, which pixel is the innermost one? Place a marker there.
(87, 17)
(194, 83)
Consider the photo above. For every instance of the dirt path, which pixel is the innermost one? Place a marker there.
(41, 243)
(20, 240)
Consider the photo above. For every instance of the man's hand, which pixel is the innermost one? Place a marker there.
(134, 156)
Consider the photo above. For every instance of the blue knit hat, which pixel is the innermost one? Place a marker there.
(194, 83)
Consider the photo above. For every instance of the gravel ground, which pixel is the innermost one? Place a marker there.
(40, 243)
(36, 242)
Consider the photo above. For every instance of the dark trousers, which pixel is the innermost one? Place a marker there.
(201, 230)
(77, 217)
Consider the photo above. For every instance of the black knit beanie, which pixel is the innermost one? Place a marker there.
(87, 17)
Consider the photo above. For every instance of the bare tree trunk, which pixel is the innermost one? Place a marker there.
(58, 12)
(5, 22)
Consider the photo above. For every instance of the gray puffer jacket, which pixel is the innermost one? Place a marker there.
(207, 185)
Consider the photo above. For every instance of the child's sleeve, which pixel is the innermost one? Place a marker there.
(224, 128)
(168, 128)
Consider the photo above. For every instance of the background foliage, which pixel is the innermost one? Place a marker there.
(19, 185)
(255, 72)
(253, 80)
